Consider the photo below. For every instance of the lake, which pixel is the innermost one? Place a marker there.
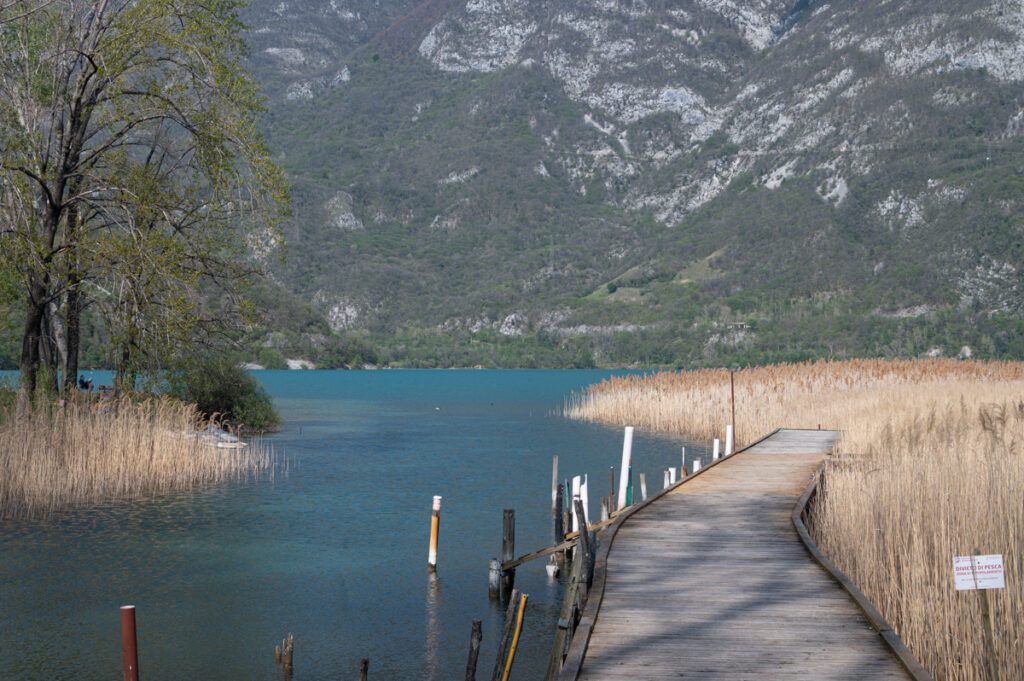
(334, 549)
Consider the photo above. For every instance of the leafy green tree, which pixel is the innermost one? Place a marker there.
(129, 158)
(222, 390)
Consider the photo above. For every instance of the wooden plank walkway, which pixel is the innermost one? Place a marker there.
(711, 582)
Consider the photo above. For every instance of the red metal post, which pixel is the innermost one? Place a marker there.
(129, 645)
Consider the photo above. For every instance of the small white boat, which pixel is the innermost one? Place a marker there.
(218, 437)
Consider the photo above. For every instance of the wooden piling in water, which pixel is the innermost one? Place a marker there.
(499, 660)
(494, 579)
(474, 650)
(129, 643)
(508, 548)
(364, 669)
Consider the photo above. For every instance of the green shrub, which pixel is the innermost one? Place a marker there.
(223, 390)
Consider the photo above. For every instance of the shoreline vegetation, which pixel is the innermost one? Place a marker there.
(930, 466)
(82, 451)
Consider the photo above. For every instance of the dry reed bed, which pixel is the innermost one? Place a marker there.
(930, 466)
(82, 452)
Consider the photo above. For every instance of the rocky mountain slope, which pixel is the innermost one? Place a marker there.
(526, 182)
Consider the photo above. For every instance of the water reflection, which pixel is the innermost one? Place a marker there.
(433, 640)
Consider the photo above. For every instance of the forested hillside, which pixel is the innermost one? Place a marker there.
(635, 182)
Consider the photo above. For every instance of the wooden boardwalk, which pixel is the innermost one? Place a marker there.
(712, 582)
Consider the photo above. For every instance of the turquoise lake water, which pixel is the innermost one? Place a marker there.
(334, 551)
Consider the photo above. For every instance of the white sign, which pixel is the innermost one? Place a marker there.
(979, 572)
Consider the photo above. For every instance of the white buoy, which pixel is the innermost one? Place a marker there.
(728, 440)
(627, 455)
(552, 568)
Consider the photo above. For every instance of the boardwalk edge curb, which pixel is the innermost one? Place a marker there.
(874, 617)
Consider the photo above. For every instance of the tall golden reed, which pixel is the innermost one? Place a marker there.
(930, 466)
(81, 452)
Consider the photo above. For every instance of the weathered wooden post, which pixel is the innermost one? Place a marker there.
(364, 668)
(129, 643)
(499, 660)
(474, 650)
(627, 457)
(494, 579)
(508, 549)
(435, 526)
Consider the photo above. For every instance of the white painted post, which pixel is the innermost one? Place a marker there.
(682, 469)
(554, 483)
(672, 475)
(575, 495)
(665, 484)
(643, 487)
(728, 439)
(627, 455)
(696, 465)
(715, 449)
(585, 498)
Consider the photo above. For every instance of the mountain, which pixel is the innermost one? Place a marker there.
(644, 182)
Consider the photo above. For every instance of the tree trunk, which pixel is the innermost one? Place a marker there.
(73, 330)
(30, 340)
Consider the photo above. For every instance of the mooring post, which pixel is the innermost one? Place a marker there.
(494, 579)
(499, 660)
(474, 650)
(604, 509)
(732, 401)
(627, 457)
(554, 485)
(672, 475)
(364, 668)
(715, 446)
(129, 643)
(728, 439)
(643, 487)
(559, 527)
(585, 498)
(576, 484)
(435, 526)
(696, 465)
(682, 467)
(508, 549)
(664, 482)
